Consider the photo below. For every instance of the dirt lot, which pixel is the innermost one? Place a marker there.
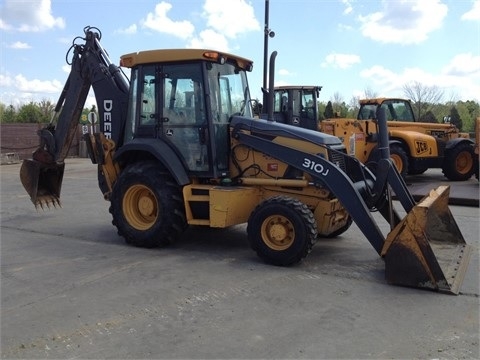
(71, 288)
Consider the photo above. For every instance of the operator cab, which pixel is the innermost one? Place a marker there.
(297, 105)
(186, 99)
(395, 109)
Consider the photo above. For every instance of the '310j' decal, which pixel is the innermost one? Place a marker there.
(317, 167)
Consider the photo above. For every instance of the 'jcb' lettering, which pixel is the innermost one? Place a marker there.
(317, 167)
(421, 147)
(107, 118)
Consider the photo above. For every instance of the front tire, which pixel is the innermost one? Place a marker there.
(282, 230)
(147, 206)
(459, 163)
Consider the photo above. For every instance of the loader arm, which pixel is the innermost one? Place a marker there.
(325, 173)
(90, 68)
(424, 249)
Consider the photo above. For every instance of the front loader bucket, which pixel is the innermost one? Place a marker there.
(42, 181)
(426, 249)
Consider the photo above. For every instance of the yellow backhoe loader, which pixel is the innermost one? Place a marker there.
(178, 146)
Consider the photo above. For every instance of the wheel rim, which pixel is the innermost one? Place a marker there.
(277, 232)
(140, 207)
(397, 161)
(464, 162)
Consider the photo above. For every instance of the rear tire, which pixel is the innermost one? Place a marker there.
(399, 158)
(459, 163)
(147, 206)
(282, 230)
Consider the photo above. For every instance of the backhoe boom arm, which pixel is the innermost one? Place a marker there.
(90, 67)
(42, 175)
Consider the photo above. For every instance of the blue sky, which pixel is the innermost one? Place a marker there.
(347, 46)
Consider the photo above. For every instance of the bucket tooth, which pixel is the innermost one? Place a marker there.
(426, 249)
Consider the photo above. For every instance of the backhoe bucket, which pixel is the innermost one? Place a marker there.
(42, 181)
(426, 249)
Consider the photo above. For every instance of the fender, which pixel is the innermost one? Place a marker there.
(376, 155)
(454, 142)
(159, 150)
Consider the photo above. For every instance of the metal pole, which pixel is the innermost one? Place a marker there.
(265, 55)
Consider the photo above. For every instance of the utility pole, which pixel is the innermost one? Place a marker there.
(268, 33)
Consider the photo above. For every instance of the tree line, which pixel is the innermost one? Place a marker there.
(426, 102)
(34, 112)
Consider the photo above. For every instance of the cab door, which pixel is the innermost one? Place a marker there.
(145, 90)
(183, 115)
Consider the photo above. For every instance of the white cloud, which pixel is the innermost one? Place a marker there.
(37, 86)
(3, 24)
(348, 7)
(341, 61)
(29, 16)
(474, 13)
(209, 39)
(130, 30)
(19, 45)
(463, 65)
(404, 22)
(5, 80)
(224, 20)
(159, 21)
(464, 85)
(284, 72)
(231, 17)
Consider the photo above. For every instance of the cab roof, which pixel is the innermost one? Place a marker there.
(296, 87)
(379, 100)
(174, 55)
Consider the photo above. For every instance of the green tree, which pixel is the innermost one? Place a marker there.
(455, 118)
(30, 113)
(342, 110)
(328, 113)
(46, 108)
(8, 114)
(2, 111)
(468, 110)
(428, 117)
(353, 107)
(321, 110)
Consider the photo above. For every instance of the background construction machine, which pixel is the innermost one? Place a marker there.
(414, 146)
(179, 146)
(297, 105)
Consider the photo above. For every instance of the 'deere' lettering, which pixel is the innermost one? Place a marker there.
(107, 118)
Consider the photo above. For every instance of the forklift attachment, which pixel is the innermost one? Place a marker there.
(426, 249)
(42, 181)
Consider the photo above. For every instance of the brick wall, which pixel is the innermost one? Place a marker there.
(22, 139)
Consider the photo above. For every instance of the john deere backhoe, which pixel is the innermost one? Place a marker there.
(178, 146)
